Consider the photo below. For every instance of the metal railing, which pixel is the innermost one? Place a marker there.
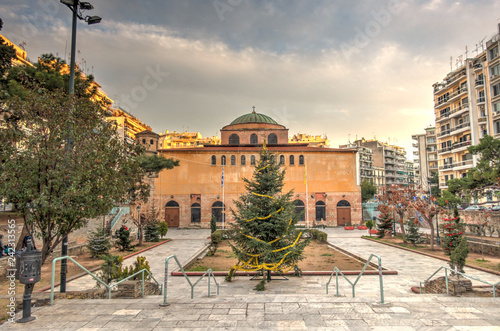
(109, 287)
(353, 285)
(460, 273)
(122, 211)
(209, 272)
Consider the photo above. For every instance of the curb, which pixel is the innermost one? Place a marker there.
(304, 273)
(434, 256)
(43, 289)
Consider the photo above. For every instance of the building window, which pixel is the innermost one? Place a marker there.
(234, 139)
(493, 53)
(301, 160)
(282, 160)
(252, 160)
(233, 160)
(496, 126)
(151, 142)
(320, 211)
(254, 139)
(496, 89)
(217, 209)
(343, 203)
(299, 209)
(144, 141)
(195, 213)
(243, 160)
(214, 160)
(223, 160)
(272, 139)
(292, 160)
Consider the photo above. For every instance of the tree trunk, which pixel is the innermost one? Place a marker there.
(432, 235)
(401, 223)
(141, 235)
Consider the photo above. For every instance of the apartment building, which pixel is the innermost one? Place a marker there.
(365, 161)
(426, 157)
(311, 140)
(389, 157)
(467, 107)
(174, 139)
(410, 170)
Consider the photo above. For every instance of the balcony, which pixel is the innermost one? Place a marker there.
(414, 145)
(445, 150)
(481, 101)
(449, 81)
(453, 113)
(461, 127)
(444, 133)
(446, 167)
(389, 161)
(496, 115)
(460, 145)
(479, 83)
(451, 97)
(463, 165)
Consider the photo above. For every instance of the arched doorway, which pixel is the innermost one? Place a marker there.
(195, 213)
(320, 211)
(217, 209)
(172, 213)
(299, 209)
(343, 213)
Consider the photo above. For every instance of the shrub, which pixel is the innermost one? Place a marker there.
(413, 235)
(111, 269)
(163, 229)
(215, 238)
(124, 241)
(99, 243)
(139, 264)
(213, 224)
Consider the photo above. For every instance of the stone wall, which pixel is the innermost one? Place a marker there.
(456, 286)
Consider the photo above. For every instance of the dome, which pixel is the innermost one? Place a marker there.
(253, 118)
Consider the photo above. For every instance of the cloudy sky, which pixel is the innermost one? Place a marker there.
(343, 68)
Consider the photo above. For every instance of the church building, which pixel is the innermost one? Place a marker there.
(324, 180)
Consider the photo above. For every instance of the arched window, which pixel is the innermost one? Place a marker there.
(320, 211)
(151, 142)
(292, 160)
(195, 213)
(144, 141)
(214, 160)
(282, 159)
(172, 203)
(254, 139)
(299, 209)
(233, 160)
(252, 160)
(272, 139)
(343, 203)
(234, 139)
(243, 160)
(301, 160)
(217, 209)
(223, 160)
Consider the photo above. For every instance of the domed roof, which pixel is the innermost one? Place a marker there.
(253, 117)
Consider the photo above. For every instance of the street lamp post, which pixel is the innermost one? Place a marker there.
(77, 13)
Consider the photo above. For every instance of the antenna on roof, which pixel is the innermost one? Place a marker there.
(466, 52)
(482, 44)
(348, 138)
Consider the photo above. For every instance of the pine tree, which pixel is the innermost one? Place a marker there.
(264, 235)
(459, 255)
(453, 234)
(413, 235)
(152, 231)
(386, 220)
(99, 243)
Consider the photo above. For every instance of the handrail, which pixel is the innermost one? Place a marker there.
(122, 211)
(460, 273)
(109, 287)
(209, 272)
(353, 285)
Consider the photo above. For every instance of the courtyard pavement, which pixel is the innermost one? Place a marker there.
(293, 304)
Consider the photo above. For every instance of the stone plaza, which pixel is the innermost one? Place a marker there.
(293, 304)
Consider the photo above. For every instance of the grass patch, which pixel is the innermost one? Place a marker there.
(327, 254)
(482, 260)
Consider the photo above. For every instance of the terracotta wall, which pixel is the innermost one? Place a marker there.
(331, 172)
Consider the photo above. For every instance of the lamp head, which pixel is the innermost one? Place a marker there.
(86, 6)
(93, 19)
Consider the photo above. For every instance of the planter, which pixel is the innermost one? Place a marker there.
(374, 231)
(362, 227)
(348, 227)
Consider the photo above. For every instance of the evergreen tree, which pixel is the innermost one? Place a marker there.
(264, 236)
(459, 255)
(413, 235)
(213, 224)
(98, 243)
(152, 231)
(453, 234)
(124, 241)
(163, 229)
(385, 218)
